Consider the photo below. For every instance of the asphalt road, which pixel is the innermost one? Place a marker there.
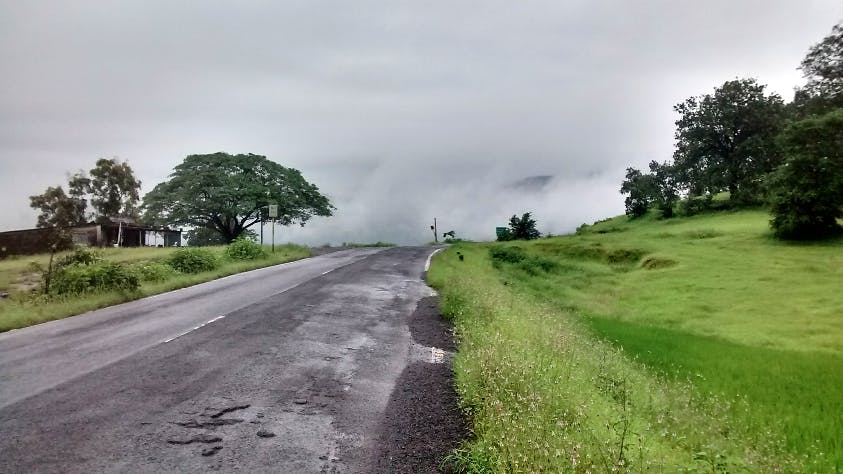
(283, 369)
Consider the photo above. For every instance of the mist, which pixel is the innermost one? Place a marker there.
(400, 112)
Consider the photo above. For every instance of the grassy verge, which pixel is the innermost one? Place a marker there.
(21, 311)
(693, 343)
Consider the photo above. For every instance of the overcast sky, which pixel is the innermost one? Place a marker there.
(399, 111)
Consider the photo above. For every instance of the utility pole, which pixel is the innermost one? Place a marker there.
(435, 231)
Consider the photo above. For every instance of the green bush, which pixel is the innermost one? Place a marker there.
(193, 260)
(152, 271)
(534, 265)
(694, 205)
(82, 256)
(78, 278)
(244, 249)
(512, 254)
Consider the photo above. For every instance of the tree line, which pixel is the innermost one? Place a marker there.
(219, 196)
(760, 150)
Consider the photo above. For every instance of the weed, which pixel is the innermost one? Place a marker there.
(193, 260)
(244, 249)
(79, 278)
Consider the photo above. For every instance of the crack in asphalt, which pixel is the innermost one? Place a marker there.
(208, 424)
(230, 409)
(202, 438)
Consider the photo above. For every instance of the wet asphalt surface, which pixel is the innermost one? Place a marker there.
(322, 365)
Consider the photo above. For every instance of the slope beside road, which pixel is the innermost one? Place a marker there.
(283, 369)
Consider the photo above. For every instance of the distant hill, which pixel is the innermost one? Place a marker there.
(532, 183)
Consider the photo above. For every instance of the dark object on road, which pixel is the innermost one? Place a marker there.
(203, 438)
(265, 434)
(211, 451)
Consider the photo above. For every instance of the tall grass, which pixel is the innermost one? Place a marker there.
(722, 348)
(23, 310)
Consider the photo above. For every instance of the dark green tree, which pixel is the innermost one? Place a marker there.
(823, 66)
(114, 189)
(664, 186)
(806, 192)
(113, 192)
(204, 237)
(725, 140)
(640, 189)
(523, 228)
(230, 193)
(58, 209)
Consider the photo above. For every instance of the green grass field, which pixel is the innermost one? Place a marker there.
(704, 328)
(21, 310)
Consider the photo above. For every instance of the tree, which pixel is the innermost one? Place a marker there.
(641, 189)
(823, 66)
(113, 192)
(58, 209)
(230, 193)
(523, 228)
(204, 237)
(114, 189)
(725, 140)
(664, 187)
(806, 192)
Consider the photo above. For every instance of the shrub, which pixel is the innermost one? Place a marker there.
(512, 254)
(193, 260)
(535, 265)
(79, 278)
(244, 249)
(151, 271)
(82, 256)
(694, 205)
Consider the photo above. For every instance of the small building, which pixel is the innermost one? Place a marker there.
(107, 234)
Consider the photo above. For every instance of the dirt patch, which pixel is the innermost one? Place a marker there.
(423, 422)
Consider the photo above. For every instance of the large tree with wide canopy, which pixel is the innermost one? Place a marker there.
(230, 193)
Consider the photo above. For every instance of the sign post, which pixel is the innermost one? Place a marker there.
(273, 213)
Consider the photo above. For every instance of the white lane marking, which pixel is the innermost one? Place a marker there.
(193, 329)
(429, 258)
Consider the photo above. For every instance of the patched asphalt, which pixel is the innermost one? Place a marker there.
(318, 372)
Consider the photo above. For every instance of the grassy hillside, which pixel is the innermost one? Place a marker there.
(24, 308)
(695, 342)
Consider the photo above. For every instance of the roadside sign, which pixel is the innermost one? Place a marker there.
(273, 210)
(500, 230)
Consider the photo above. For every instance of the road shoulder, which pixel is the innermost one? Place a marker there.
(423, 422)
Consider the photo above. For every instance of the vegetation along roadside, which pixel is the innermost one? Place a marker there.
(84, 280)
(691, 343)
